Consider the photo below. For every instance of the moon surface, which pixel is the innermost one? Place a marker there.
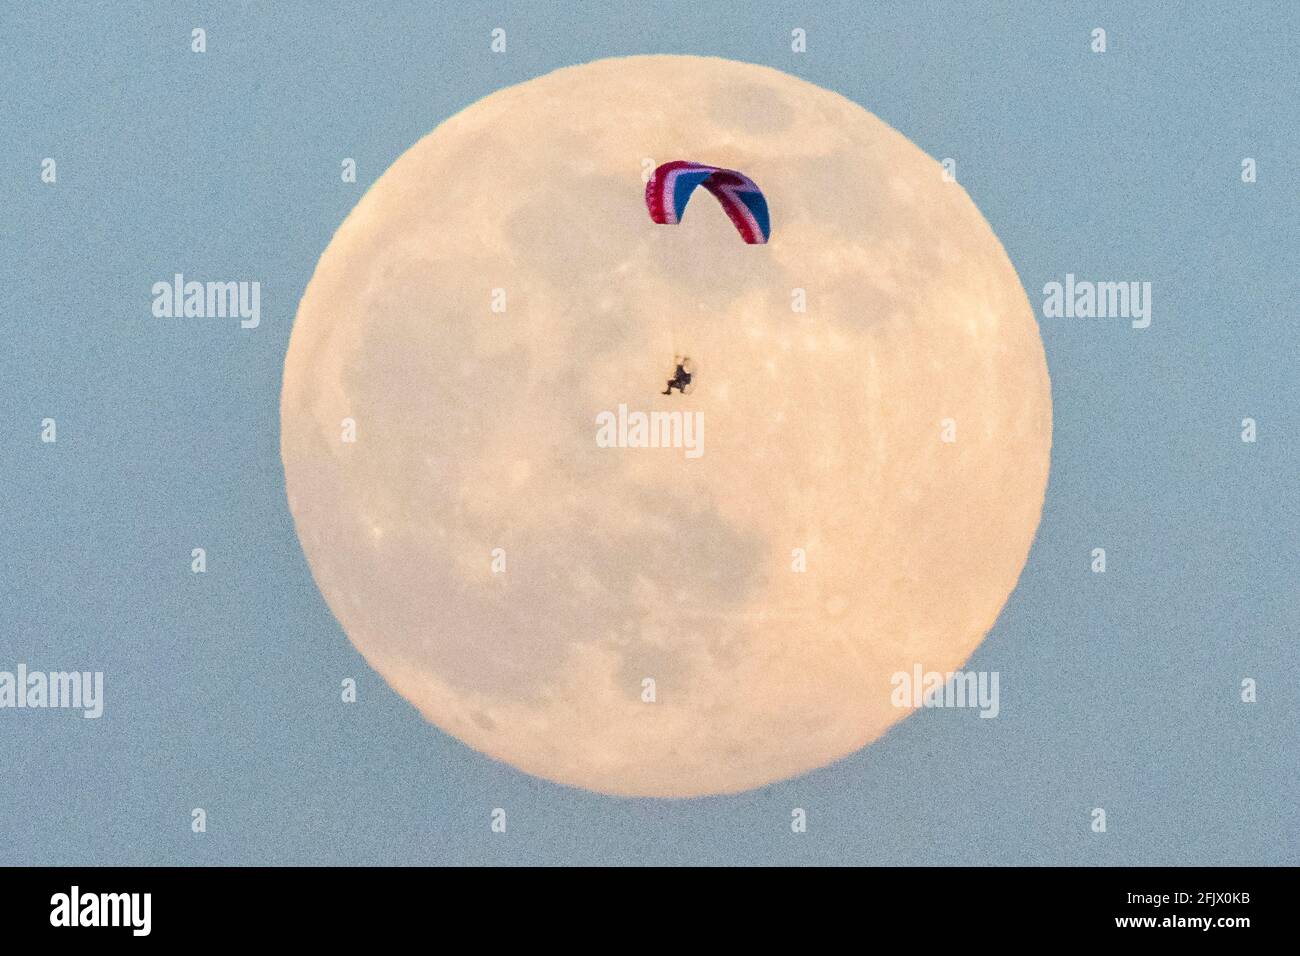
(876, 429)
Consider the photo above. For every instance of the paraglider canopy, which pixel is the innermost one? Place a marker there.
(671, 186)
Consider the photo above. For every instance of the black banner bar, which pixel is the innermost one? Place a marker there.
(180, 905)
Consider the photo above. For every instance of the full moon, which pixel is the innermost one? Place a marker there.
(870, 389)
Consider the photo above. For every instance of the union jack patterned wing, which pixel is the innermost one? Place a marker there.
(670, 188)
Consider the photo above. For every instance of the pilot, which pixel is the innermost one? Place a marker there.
(681, 378)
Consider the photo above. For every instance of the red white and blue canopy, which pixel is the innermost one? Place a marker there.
(672, 184)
